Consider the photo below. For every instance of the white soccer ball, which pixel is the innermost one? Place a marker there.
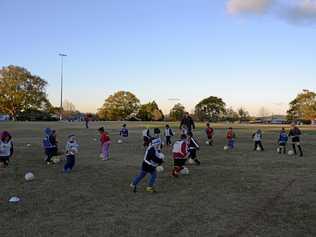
(29, 176)
(14, 199)
(119, 141)
(160, 168)
(278, 150)
(207, 143)
(184, 171)
(226, 148)
(191, 161)
(258, 149)
(56, 160)
(290, 153)
(101, 155)
(28, 145)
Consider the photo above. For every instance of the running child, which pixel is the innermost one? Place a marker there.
(257, 138)
(124, 132)
(180, 154)
(6, 149)
(105, 144)
(295, 133)
(209, 134)
(49, 145)
(283, 139)
(193, 146)
(231, 138)
(71, 151)
(168, 134)
(152, 159)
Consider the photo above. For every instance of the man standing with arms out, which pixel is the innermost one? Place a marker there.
(187, 124)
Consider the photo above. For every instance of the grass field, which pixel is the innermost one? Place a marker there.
(238, 193)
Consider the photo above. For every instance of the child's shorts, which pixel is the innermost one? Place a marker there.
(179, 162)
(192, 153)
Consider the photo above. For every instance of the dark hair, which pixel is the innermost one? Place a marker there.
(167, 125)
(183, 136)
(190, 134)
(157, 131)
(101, 129)
(207, 124)
(124, 125)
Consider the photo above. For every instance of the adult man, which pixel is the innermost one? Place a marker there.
(187, 123)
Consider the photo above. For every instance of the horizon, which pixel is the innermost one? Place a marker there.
(252, 54)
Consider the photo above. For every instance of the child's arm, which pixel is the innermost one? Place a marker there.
(11, 150)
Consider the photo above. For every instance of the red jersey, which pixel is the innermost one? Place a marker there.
(104, 138)
(180, 150)
(209, 132)
(230, 135)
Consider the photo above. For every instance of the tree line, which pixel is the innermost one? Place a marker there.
(23, 96)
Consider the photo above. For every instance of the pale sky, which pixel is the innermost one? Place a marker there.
(252, 53)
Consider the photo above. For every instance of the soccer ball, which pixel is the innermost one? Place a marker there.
(160, 168)
(29, 176)
(278, 150)
(290, 153)
(226, 148)
(101, 155)
(161, 156)
(119, 141)
(14, 199)
(184, 171)
(56, 160)
(191, 161)
(258, 149)
(28, 145)
(207, 143)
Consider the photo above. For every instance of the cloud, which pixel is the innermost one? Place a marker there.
(293, 11)
(248, 6)
(302, 12)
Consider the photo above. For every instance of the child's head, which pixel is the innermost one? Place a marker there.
(72, 138)
(183, 137)
(156, 131)
(208, 124)
(155, 142)
(5, 136)
(283, 129)
(259, 131)
(190, 134)
(48, 131)
(230, 129)
(101, 130)
(124, 125)
(167, 126)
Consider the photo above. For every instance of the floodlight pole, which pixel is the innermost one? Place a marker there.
(61, 84)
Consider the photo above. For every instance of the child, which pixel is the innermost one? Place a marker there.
(152, 159)
(193, 146)
(55, 150)
(105, 144)
(49, 145)
(283, 138)
(168, 134)
(124, 132)
(180, 152)
(146, 137)
(231, 136)
(71, 151)
(257, 138)
(295, 133)
(157, 136)
(209, 133)
(6, 149)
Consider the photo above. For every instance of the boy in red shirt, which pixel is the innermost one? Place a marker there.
(209, 133)
(105, 143)
(231, 136)
(180, 155)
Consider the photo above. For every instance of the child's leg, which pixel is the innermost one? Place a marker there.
(138, 178)
(49, 155)
(261, 146)
(300, 149)
(294, 148)
(255, 146)
(105, 151)
(152, 179)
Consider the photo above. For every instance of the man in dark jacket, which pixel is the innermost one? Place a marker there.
(187, 123)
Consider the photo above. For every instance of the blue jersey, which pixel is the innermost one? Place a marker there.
(283, 138)
(124, 132)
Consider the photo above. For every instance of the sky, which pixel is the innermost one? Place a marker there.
(251, 53)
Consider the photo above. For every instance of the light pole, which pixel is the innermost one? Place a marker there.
(61, 84)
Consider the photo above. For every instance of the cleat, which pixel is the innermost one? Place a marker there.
(150, 190)
(133, 187)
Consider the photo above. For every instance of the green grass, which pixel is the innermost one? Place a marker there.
(239, 193)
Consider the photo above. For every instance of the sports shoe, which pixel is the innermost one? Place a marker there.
(150, 190)
(133, 187)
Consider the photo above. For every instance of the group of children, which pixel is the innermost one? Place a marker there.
(183, 150)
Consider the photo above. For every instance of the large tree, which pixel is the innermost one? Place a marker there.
(231, 115)
(119, 106)
(150, 112)
(21, 91)
(177, 112)
(243, 114)
(211, 109)
(303, 106)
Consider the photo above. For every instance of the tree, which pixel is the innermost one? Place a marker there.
(303, 107)
(150, 112)
(243, 115)
(211, 109)
(177, 112)
(21, 91)
(119, 106)
(231, 115)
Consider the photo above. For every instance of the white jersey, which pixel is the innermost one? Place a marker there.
(5, 148)
(257, 137)
(72, 148)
